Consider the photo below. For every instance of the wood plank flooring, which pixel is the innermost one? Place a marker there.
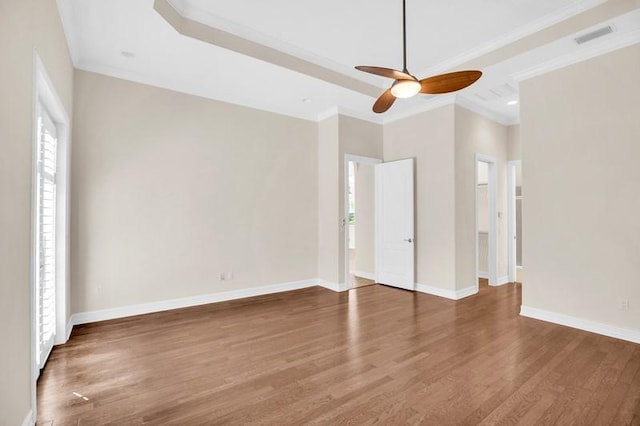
(357, 282)
(372, 355)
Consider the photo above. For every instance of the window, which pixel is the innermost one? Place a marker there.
(45, 251)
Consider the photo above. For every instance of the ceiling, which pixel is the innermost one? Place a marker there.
(130, 39)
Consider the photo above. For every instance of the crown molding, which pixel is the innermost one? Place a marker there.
(429, 105)
(337, 110)
(365, 116)
(180, 86)
(486, 112)
(604, 46)
(331, 112)
(218, 96)
(66, 16)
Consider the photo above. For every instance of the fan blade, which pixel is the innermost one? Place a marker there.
(451, 82)
(385, 72)
(384, 102)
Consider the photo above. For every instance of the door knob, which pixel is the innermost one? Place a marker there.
(409, 240)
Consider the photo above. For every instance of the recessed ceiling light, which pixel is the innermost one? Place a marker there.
(128, 55)
(306, 100)
(512, 103)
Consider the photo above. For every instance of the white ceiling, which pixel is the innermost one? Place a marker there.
(369, 32)
(336, 34)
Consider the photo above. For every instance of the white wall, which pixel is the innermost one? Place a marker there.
(580, 139)
(25, 26)
(169, 190)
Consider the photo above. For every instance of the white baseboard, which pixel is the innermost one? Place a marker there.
(61, 340)
(185, 302)
(367, 275)
(466, 292)
(69, 328)
(581, 324)
(502, 281)
(29, 420)
(338, 287)
(444, 292)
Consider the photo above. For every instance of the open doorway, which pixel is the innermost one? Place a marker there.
(360, 218)
(514, 177)
(486, 218)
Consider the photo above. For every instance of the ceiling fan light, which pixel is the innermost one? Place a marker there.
(405, 88)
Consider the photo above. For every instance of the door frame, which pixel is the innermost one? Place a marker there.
(45, 95)
(511, 217)
(345, 218)
(493, 217)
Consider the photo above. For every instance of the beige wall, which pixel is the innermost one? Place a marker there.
(514, 150)
(365, 218)
(475, 134)
(337, 136)
(25, 26)
(482, 209)
(357, 137)
(169, 190)
(580, 137)
(328, 203)
(429, 138)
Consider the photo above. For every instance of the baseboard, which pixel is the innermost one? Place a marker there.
(581, 324)
(446, 293)
(367, 275)
(69, 328)
(185, 302)
(338, 287)
(466, 292)
(502, 281)
(29, 420)
(61, 340)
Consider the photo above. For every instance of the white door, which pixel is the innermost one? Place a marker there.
(394, 224)
(46, 240)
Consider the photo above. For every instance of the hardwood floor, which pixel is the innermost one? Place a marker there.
(357, 282)
(312, 356)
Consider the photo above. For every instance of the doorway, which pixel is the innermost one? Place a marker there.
(514, 183)
(486, 221)
(360, 221)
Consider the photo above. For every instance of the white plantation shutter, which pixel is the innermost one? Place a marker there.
(46, 241)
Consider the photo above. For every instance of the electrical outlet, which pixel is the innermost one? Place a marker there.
(222, 276)
(624, 304)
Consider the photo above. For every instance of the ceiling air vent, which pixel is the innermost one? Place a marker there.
(600, 32)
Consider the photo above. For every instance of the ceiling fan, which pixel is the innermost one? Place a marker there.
(406, 85)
